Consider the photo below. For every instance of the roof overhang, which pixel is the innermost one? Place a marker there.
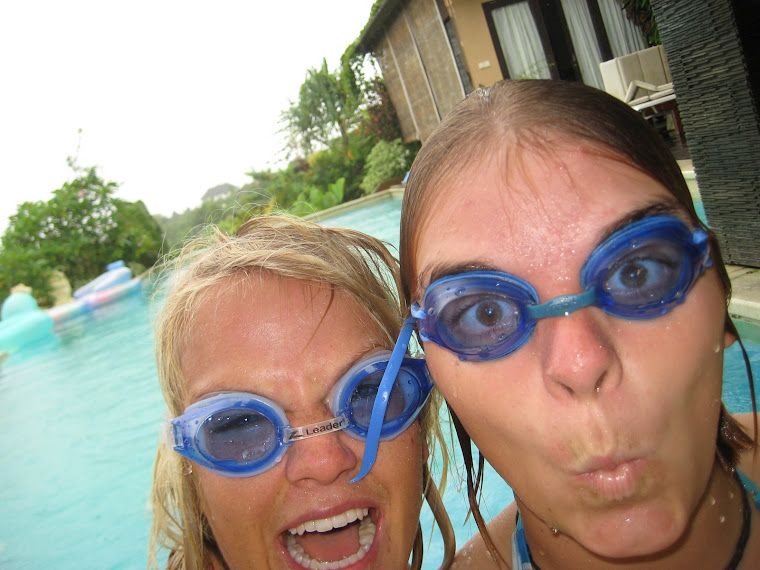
(374, 29)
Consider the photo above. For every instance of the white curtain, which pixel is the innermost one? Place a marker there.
(520, 42)
(584, 40)
(624, 36)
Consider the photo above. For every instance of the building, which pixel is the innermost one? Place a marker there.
(433, 52)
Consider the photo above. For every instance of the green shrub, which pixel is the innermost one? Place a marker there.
(386, 160)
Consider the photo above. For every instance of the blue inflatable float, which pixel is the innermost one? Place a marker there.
(23, 323)
(116, 274)
(116, 282)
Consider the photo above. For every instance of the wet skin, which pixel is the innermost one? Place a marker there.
(605, 428)
(281, 339)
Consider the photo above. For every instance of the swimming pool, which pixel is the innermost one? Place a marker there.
(80, 428)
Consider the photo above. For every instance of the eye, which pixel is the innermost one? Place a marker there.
(479, 320)
(243, 436)
(646, 275)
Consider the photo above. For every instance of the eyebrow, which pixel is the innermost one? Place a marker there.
(442, 269)
(439, 270)
(659, 208)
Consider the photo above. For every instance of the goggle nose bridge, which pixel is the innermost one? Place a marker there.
(562, 305)
(290, 434)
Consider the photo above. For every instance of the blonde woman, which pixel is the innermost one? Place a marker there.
(271, 346)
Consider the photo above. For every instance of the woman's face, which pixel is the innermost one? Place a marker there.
(284, 340)
(605, 428)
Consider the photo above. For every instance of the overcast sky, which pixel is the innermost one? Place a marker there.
(172, 97)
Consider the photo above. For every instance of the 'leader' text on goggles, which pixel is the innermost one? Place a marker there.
(640, 272)
(239, 434)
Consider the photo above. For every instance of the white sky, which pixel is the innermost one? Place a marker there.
(173, 96)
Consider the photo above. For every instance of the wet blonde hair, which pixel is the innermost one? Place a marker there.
(344, 260)
(532, 114)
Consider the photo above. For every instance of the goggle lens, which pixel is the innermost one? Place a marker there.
(643, 277)
(404, 399)
(239, 435)
(480, 319)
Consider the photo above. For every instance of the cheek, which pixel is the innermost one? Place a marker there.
(687, 350)
(401, 467)
(497, 401)
(230, 504)
(397, 478)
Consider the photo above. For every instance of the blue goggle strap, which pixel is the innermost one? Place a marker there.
(382, 398)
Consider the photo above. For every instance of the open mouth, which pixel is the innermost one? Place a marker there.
(331, 543)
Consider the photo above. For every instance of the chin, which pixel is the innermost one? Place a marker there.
(633, 533)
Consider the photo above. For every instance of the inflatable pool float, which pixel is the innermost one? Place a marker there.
(116, 273)
(23, 323)
(115, 283)
(112, 293)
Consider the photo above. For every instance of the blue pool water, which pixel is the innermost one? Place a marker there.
(80, 424)
(80, 428)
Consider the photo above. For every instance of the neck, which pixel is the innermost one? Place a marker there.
(709, 539)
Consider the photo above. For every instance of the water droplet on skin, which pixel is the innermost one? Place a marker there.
(555, 531)
(722, 519)
(712, 501)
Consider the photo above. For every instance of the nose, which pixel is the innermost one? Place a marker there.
(579, 358)
(322, 459)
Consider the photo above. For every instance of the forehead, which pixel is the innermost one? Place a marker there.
(261, 333)
(528, 209)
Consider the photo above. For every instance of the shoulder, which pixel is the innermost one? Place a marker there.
(749, 461)
(474, 553)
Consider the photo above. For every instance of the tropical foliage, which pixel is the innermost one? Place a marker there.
(640, 13)
(81, 229)
(386, 160)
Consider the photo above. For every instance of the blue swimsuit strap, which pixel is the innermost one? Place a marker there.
(521, 559)
(752, 490)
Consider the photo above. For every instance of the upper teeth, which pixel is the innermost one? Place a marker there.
(324, 525)
(366, 538)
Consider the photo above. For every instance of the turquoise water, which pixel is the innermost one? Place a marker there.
(80, 423)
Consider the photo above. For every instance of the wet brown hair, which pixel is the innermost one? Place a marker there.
(530, 114)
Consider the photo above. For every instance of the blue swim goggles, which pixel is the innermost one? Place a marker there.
(640, 272)
(237, 434)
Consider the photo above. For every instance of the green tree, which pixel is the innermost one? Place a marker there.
(81, 229)
(327, 109)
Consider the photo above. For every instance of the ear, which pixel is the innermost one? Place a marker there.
(728, 339)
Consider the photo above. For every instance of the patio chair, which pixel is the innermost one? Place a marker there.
(642, 79)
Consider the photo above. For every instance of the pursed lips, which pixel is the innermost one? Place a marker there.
(612, 478)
